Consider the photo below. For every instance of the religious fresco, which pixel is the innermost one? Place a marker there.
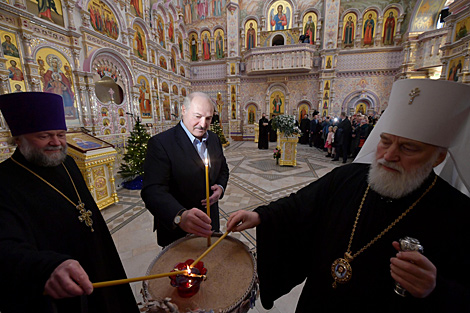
(171, 29)
(250, 34)
(161, 31)
(195, 11)
(13, 63)
(206, 45)
(182, 72)
(361, 107)
(461, 28)
(56, 77)
(145, 99)
(49, 10)
(176, 111)
(233, 103)
(166, 108)
(427, 14)
(180, 45)
(328, 62)
(140, 46)
(153, 56)
(219, 43)
(455, 68)
(349, 28)
(163, 63)
(102, 19)
(280, 16)
(251, 116)
(276, 103)
(183, 92)
(193, 46)
(368, 27)
(309, 28)
(165, 87)
(303, 110)
(174, 88)
(389, 26)
(136, 8)
(173, 60)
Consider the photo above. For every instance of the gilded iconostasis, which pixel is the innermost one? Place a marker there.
(115, 61)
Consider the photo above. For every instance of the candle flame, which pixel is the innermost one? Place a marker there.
(206, 161)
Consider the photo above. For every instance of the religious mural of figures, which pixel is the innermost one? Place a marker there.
(174, 88)
(102, 19)
(328, 62)
(183, 92)
(251, 114)
(136, 7)
(49, 10)
(161, 31)
(220, 103)
(309, 27)
(176, 111)
(369, 28)
(277, 103)
(219, 44)
(250, 34)
(173, 60)
(206, 45)
(163, 63)
(461, 29)
(280, 16)
(57, 79)
(9, 46)
(140, 47)
(165, 87)
(193, 46)
(182, 72)
(348, 30)
(361, 107)
(199, 10)
(389, 27)
(171, 30)
(145, 101)
(455, 67)
(180, 45)
(303, 110)
(15, 72)
(166, 108)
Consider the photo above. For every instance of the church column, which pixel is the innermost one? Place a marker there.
(4, 82)
(26, 40)
(397, 37)
(94, 112)
(85, 15)
(358, 33)
(331, 13)
(317, 33)
(130, 36)
(378, 32)
(243, 40)
(70, 6)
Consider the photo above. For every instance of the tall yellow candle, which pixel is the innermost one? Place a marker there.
(208, 204)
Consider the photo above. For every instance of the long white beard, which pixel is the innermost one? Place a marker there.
(397, 184)
(38, 157)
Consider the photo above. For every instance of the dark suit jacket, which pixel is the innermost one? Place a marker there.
(174, 179)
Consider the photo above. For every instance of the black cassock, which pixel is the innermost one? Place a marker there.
(263, 134)
(305, 128)
(301, 236)
(272, 132)
(39, 229)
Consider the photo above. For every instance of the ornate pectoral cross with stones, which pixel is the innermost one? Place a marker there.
(85, 216)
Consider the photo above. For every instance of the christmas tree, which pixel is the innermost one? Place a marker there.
(215, 127)
(133, 160)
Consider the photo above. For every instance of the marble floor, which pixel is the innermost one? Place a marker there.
(255, 180)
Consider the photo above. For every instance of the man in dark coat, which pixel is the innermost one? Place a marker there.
(174, 188)
(272, 131)
(313, 129)
(263, 132)
(304, 128)
(343, 138)
(353, 219)
(53, 240)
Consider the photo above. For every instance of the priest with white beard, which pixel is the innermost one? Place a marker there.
(341, 235)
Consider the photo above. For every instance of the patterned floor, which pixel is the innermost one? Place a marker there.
(255, 180)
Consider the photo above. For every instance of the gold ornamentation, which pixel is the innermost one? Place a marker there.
(413, 94)
(85, 216)
(341, 268)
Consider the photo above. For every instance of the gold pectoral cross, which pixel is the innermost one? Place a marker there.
(85, 216)
(413, 94)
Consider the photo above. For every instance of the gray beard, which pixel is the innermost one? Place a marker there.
(38, 157)
(397, 185)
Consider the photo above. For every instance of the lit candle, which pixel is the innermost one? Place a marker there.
(208, 204)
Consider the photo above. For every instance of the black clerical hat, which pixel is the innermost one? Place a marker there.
(30, 112)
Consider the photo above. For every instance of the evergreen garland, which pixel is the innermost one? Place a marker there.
(134, 158)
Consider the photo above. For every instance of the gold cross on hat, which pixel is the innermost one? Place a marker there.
(413, 94)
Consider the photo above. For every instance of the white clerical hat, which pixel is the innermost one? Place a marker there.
(436, 112)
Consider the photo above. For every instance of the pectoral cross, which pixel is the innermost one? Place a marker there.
(413, 94)
(111, 92)
(85, 216)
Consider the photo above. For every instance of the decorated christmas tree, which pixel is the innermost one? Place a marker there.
(215, 127)
(132, 167)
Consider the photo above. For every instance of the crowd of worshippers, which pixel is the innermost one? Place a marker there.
(341, 136)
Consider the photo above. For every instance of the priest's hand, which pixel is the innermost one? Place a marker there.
(196, 222)
(413, 271)
(69, 279)
(242, 220)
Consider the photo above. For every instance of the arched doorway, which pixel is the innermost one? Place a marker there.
(278, 40)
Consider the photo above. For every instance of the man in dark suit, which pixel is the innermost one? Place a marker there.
(174, 187)
(343, 138)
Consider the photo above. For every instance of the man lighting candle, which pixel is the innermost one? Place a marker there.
(341, 232)
(174, 188)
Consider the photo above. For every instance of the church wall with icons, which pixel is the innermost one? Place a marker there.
(277, 103)
(103, 19)
(48, 10)
(145, 98)
(161, 31)
(140, 45)
(136, 8)
(11, 52)
(389, 28)
(163, 63)
(57, 77)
